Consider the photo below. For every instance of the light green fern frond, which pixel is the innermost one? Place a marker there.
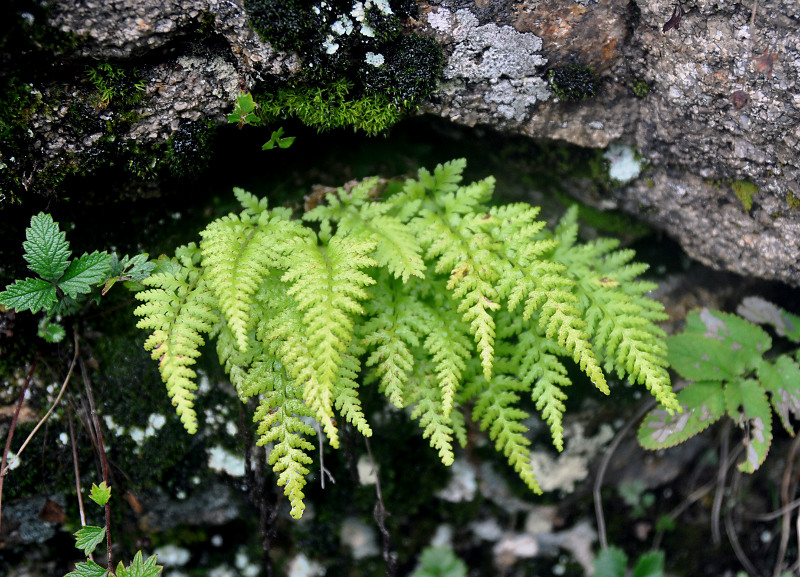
(426, 399)
(449, 349)
(238, 251)
(462, 249)
(346, 401)
(355, 214)
(496, 410)
(179, 308)
(280, 421)
(620, 316)
(328, 285)
(390, 336)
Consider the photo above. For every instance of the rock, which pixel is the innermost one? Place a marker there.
(712, 104)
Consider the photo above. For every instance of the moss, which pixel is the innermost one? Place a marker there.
(409, 72)
(744, 191)
(794, 202)
(189, 149)
(355, 60)
(640, 88)
(27, 47)
(330, 107)
(573, 83)
(116, 83)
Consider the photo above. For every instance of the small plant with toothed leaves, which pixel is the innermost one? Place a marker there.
(63, 284)
(88, 537)
(724, 355)
(454, 307)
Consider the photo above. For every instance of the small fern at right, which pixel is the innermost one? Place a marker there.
(453, 308)
(725, 357)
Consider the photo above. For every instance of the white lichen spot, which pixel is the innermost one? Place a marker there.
(462, 485)
(137, 435)
(622, 163)
(358, 11)
(221, 460)
(330, 46)
(246, 567)
(343, 26)
(230, 428)
(302, 566)
(359, 537)
(366, 472)
(172, 555)
(572, 465)
(367, 30)
(374, 59)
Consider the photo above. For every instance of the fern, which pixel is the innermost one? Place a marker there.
(451, 307)
(725, 357)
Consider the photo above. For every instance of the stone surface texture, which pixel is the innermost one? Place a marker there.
(722, 105)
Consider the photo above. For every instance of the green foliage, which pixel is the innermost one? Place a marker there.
(113, 82)
(440, 562)
(100, 493)
(451, 305)
(614, 563)
(744, 191)
(331, 106)
(88, 537)
(189, 149)
(640, 88)
(355, 61)
(63, 284)
(573, 83)
(724, 355)
(246, 112)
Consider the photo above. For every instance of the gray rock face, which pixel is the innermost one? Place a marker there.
(722, 104)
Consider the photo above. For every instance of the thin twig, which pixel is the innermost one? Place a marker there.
(322, 470)
(43, 420)
(787, 517)
(722, 478)
(730, 529)
(103, 459)
(601, 471)
(77, 470)
(693, 497)
(3, 468)
(380, 515)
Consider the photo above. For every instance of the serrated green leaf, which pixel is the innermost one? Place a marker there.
(703, 404)
(650, 565)
(610, 563)
(50, 331)
(33, 294)
(745, 398)
(286, 142)
(699, 358)
(88, 537)
(758, 310)
(740, 344)
(85, 272)
(100, 494)
(782, 380)
(87, 569)
(140, 568)
(46, 249)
